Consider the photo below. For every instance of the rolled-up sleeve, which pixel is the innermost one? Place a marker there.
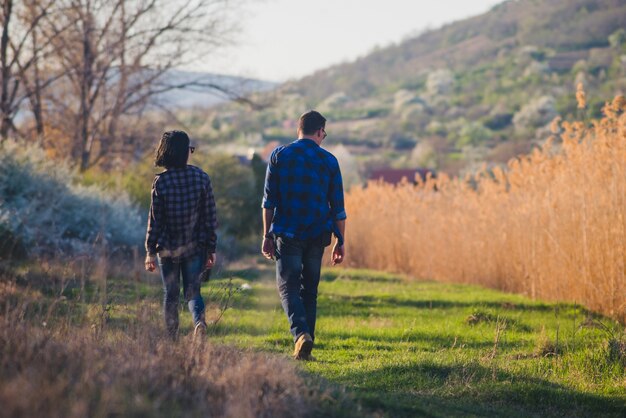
(155, 220)
(270, 189)
(337, 209)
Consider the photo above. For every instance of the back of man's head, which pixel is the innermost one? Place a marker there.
(311, 122)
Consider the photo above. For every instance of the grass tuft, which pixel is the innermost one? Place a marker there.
(480, 316)
(616, 348)
(545, 346)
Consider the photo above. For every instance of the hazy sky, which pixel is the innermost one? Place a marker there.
(282, 39)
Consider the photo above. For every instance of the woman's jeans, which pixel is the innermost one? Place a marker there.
(171, 269)
(298, 265)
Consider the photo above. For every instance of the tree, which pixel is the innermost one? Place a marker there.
(617, 38)
(22, 48)
(237, 193)
(473, 133)
(116, 55)
(439, 82)
(536, 113)
(5, 107)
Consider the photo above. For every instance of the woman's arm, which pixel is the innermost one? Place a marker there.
(154, 227)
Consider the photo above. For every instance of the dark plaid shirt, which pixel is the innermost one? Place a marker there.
(303, 185)
(183, 219)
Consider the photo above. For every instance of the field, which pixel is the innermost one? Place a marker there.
(386, 346)
(550, 225)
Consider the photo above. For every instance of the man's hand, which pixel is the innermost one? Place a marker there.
(338, 254)
(210, 261)
(150, 263)
(267, 248)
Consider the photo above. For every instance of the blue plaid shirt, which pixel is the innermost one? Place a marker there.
(303, 185)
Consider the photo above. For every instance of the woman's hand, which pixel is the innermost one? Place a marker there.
(210, 261)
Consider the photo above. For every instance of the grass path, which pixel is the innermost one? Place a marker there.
(385, 347)
(429, 349)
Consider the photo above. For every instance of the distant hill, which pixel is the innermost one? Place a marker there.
(199, 93)
(478, 90)
(553, 27)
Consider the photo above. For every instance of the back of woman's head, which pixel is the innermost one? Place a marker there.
(173, 150)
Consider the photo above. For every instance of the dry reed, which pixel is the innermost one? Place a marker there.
(552, 225)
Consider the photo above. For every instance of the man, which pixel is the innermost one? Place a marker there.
(302, 206)
(181, 229)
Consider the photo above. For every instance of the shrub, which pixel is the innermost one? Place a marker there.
(440, 82)
(499, 121)
(237, 196)
(535, 114)
(473, 133)
(11, 247)
(43, 207)
(617, 38)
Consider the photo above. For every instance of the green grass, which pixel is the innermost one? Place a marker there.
(397, 347)
(408, 348)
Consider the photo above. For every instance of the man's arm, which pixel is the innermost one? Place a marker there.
(270, 193)
(268, 243)
(268, 217)
(339, 216)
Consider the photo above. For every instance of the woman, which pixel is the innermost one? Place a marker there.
(181, 229)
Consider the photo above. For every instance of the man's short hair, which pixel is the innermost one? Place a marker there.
(311, 122)
(173, 150)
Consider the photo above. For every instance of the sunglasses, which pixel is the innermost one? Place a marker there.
(192, 149)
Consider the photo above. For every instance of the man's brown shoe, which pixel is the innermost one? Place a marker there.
(304, 345)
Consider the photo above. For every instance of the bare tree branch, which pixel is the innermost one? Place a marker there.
(91, 66)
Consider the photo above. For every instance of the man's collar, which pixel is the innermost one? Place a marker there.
(309, 140)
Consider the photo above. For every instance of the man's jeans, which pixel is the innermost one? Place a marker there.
(171, 269)
(298, 265)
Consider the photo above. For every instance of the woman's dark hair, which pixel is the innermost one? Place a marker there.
(173, 150)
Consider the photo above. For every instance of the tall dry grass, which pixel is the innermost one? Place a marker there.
(71, 374)
(552, 225)
(66, 356)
